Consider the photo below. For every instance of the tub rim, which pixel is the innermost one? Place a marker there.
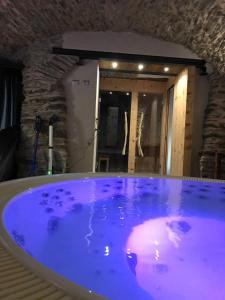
(10, 189)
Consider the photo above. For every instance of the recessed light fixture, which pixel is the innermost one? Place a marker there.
(140, 67)
(166, 69)
(114, 64)
(127, 94)
(144, 95)
(110, 93)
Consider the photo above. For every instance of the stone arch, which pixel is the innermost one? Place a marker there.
(198, 25)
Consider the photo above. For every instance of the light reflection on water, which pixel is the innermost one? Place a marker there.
(127, 238)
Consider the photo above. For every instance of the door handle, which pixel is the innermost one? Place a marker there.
(139, 134)
(125, 133)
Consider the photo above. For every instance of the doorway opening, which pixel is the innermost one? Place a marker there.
(144, 118)
(129, 124)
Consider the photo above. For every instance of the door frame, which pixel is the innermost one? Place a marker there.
(164, 127)
(134, 86)
(181, 152)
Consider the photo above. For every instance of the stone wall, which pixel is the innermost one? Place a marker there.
(214, 127)
(196, 24)
(44, 96)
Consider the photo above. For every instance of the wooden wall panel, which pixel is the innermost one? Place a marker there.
(184, 97)
(131, 85)
(191, 97)
(178, 123)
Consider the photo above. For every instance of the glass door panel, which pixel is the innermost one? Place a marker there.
(148, 132)
(113, 133)
(169, 130)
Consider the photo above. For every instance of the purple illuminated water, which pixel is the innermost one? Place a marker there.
(127, 238)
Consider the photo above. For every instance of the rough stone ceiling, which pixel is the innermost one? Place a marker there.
(197, 24)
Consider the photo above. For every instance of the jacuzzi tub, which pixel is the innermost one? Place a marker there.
(120, 237)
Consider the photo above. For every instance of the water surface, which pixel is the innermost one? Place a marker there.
(127, 238)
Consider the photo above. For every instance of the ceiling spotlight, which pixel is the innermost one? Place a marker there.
(140, 67)
(127, 94)
(144, 95)
(110, 93)
(166, 69)
(114, 64)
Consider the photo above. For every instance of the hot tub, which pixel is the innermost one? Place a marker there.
(120, 237)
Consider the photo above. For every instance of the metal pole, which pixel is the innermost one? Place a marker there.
(50, 149)
(52, 120)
